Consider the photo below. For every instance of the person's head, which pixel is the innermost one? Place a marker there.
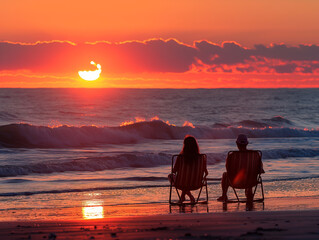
(190, 147)
(242, 142)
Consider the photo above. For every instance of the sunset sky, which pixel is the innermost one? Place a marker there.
(160, 44)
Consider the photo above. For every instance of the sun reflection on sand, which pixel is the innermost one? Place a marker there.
(92, 210)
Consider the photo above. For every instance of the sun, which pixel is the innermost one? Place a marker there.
(91, 75)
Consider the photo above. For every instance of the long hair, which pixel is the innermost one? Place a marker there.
(190, 149)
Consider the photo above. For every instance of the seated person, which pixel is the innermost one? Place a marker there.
(242, 143)
(183, 176)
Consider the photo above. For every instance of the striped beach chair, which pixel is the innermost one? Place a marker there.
(190, 176)
(244, 170)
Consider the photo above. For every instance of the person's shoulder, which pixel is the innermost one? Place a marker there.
(231, 153)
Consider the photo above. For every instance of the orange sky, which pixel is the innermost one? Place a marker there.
(135, 61)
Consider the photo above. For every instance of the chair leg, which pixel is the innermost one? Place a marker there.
(236, 194)
(200, 191)
(255, 191)
(260, 181)
(262, 189)
(179, 196)
(170, 194)
(229, 184)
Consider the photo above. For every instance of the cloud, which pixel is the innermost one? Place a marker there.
(285, 68)
(245, 69)
(229, 53)
(284, 52)
(48, 56)
(158, 55)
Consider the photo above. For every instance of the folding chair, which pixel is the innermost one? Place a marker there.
(191, 177)
(244, 170)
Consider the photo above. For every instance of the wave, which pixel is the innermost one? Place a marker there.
(30, 136)
(125, 160)
(277, 121)
(7, 116)
(131, 160)
(12, 194)
(135, 179)
(288, 153)
(213, 181)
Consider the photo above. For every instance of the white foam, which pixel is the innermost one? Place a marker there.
(30, 136)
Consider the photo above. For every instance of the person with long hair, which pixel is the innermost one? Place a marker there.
(184, 168)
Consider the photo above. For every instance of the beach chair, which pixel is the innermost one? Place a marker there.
(244, 170)
(192, 177)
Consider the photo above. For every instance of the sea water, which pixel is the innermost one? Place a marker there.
(66, 148)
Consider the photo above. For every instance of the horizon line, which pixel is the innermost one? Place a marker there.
(158, 88)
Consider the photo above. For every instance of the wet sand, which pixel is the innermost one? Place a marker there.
(277, 218)
(234, 225)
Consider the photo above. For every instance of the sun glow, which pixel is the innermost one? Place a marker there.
(93, 210)
(91, 75)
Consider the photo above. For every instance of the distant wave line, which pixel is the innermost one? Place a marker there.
(211, 181)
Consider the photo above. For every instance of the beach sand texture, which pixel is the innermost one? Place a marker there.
(238, 225)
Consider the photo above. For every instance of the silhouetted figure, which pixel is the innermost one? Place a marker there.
(242, 143)
(183, 171)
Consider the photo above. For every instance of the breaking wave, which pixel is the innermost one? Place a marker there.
(124, 160)
(131, 160)
(30, 136)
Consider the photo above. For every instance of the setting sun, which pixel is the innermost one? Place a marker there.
(91, 75)
(204, 122)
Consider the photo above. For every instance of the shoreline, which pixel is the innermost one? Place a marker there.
(290, 211)
(96, 211)
(277, 218)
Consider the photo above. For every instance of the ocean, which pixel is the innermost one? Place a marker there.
(69, 148)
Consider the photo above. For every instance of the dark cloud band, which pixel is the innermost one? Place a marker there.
(158, 55)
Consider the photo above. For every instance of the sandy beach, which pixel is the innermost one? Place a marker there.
(236, 225)
(277, 218)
